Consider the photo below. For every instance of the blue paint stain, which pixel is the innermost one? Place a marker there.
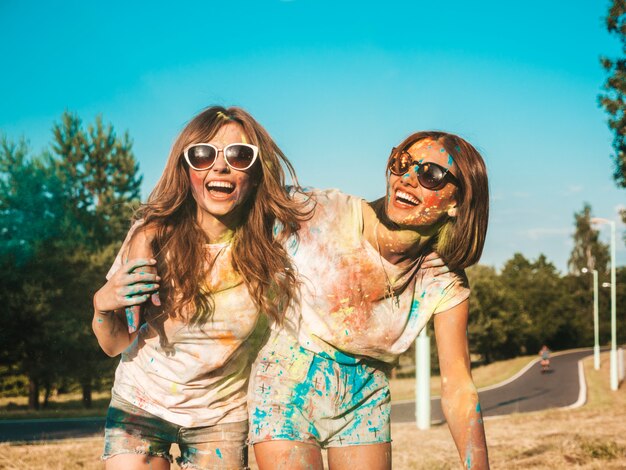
(130, 318)
(415, 305)
(442, 150)
(406, 176)
(477, 407)
(450, 160)
(219, 453)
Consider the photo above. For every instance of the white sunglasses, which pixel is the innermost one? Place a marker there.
(237, 156)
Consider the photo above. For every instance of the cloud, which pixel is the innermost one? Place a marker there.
(574, 189)
(543, 232)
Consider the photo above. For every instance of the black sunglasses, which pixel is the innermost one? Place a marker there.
(237, 156)
(430, 175)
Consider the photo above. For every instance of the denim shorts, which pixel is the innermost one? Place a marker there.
(131, 430)
(299, 395)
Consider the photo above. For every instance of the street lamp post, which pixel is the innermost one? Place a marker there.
(613, 357)
(596, 328)
(422, 380)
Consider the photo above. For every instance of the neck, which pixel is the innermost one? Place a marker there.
(396, 243)
(218, 229)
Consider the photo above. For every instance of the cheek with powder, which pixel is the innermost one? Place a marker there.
(197, 182)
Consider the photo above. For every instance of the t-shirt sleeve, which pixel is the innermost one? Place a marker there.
(454, 289)
(122, 255)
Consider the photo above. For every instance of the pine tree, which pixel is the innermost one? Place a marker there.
(101, 179)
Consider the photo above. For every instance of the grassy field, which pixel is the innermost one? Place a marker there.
(591, 437)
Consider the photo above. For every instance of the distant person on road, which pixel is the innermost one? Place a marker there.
(222, 269)
(544, 353)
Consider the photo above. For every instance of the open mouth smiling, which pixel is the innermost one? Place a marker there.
(220, 187)
(406, 198)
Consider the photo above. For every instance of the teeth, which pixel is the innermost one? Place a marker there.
(407, 197)
(220, 184)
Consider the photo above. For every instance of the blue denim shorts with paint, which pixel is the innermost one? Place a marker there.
(131, 430)
(298, 395)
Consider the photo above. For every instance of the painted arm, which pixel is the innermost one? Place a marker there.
(459, 398)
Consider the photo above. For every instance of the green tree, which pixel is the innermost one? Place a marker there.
(100, 176)
(588, 252)
(613, 100)
(498, 326)
(538, 289)
(101, 179)
(32, 223)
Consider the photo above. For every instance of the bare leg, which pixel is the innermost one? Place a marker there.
(366, 457)
(136, 462)
(288, 455)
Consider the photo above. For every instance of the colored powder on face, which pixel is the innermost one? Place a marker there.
(405, 176)
(450, 160)
(218, 453)
(100, 320)
(442, 150)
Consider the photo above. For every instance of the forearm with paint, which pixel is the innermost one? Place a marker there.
(462, 410)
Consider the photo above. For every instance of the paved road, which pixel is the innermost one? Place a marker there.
(531, 391)
(49, 429)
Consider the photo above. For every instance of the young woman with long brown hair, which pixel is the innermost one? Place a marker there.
(321, 382)
(211, 224)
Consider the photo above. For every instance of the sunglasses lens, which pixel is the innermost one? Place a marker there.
(239, 156)
(202, 156)
(430, 175)
(400, 164)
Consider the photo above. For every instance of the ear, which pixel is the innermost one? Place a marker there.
(452, 211)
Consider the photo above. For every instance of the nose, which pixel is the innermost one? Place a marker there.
(220, 165)
(410, 177)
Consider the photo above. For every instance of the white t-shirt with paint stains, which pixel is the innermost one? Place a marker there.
(194, 375)
(345, 302)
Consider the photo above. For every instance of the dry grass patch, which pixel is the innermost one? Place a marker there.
(589, 438)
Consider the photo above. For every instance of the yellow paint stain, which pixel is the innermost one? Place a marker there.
(173, 388)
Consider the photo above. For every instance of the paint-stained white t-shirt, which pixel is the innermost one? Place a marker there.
(194, 375)
(345, 301)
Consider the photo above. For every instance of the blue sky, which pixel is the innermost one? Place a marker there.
(337, 84)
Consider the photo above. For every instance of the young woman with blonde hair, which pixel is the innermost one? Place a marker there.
(321, 381)
(222, 267)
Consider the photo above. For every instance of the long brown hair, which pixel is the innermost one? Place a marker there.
(461, 239)
(258, 254)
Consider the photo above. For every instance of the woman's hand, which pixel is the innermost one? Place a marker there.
(140, 247)
(131, 285)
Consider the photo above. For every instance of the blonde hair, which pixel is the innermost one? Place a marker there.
(461, 239)
(258, 254)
